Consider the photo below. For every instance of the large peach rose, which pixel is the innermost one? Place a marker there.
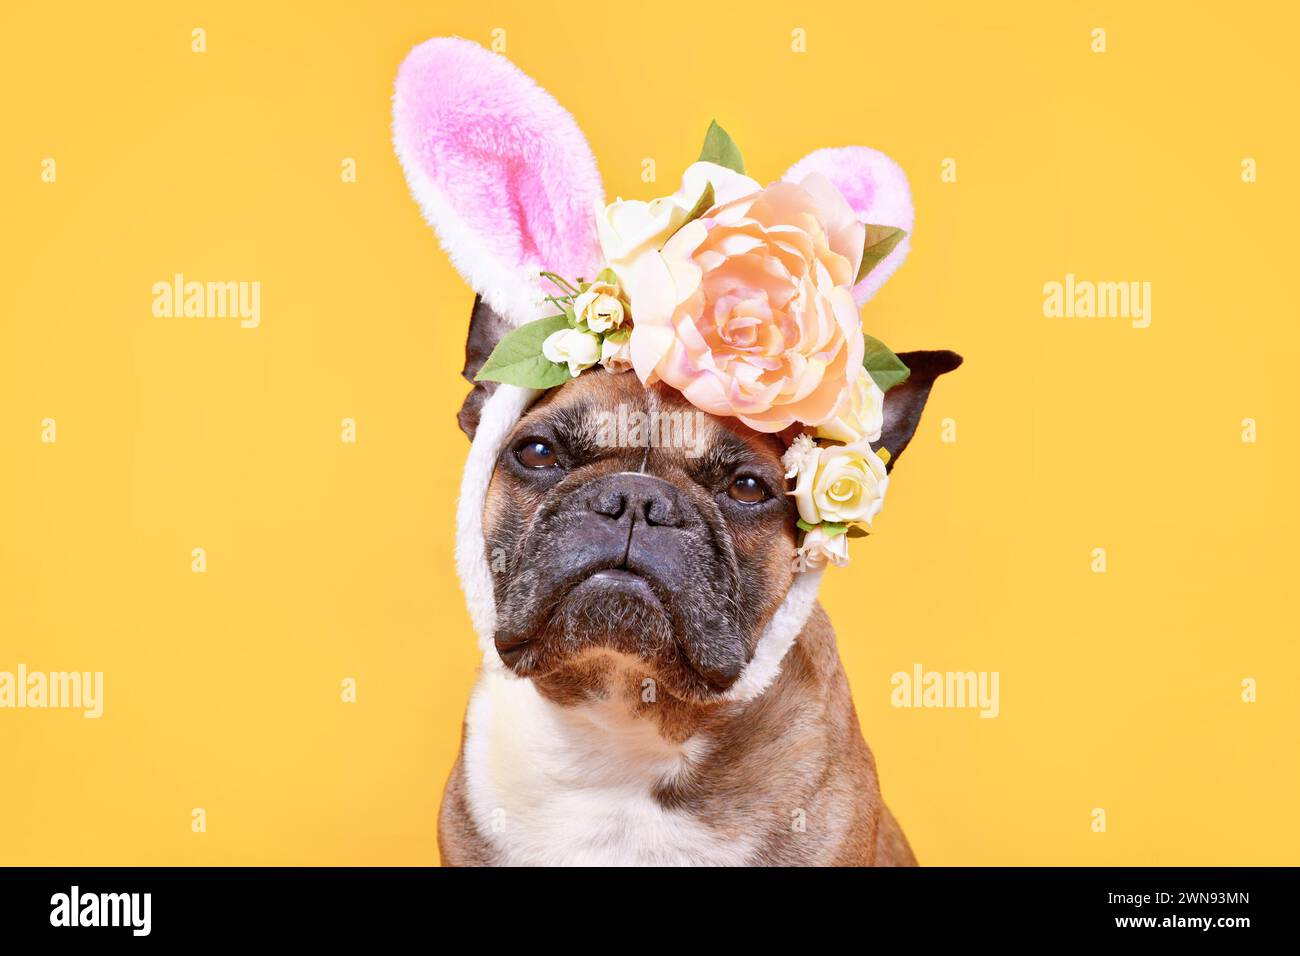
(747, 310)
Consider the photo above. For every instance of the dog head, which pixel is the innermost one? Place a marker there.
(621, 524)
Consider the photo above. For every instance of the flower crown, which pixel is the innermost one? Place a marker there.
(740, 297)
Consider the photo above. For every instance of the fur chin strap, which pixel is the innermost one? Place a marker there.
(499, 415)
(500, 412)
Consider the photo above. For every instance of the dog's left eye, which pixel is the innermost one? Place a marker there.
(536, 454)
(748, 489)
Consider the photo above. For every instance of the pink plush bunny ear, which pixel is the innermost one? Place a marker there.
(876, 188)
(500, 169)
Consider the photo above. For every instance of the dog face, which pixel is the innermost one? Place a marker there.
(631, 535)
(623, 523)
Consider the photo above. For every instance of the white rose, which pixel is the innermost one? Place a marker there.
(616, 352)
(848, 486)
(818, 548)
(629, 227)
(578, 350)
(860, 415)
(600, 307)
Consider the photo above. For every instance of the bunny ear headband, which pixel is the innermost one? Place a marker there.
(742, 297)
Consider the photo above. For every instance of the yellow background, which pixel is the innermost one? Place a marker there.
(326, 560)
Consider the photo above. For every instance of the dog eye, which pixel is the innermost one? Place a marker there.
(748, 489)
(536, 454)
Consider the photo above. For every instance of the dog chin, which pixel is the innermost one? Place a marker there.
(616, 612)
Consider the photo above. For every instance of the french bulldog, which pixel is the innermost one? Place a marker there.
(659, 685)
(632, 584)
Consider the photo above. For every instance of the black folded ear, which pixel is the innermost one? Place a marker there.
(486, 329)
(903, 403)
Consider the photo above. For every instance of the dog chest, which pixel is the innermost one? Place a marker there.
(548, 785)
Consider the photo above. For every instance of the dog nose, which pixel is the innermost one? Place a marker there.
(644, 497)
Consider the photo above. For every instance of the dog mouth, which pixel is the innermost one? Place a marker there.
(512, 650)
(609, 605)
(612, 585)
(623, 582)
(660, 601)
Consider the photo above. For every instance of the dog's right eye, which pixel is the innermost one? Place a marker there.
(536, 454)
(748, 490)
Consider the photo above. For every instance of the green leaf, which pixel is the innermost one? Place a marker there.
(518, 358)
(857, 531)
(702, 205)
(565, 305)
(834, 529)
(607, 275)
(804, 525)
(885, 368)
(880, 242)
(721, 149)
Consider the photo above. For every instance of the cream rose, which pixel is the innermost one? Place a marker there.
(628, 228)
(579, 350)
(860, 415)
(599, 307)
(819, 548)
(616, 352)
(845, 485)
(748, 310)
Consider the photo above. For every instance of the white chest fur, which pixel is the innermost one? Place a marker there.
(551, 785)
